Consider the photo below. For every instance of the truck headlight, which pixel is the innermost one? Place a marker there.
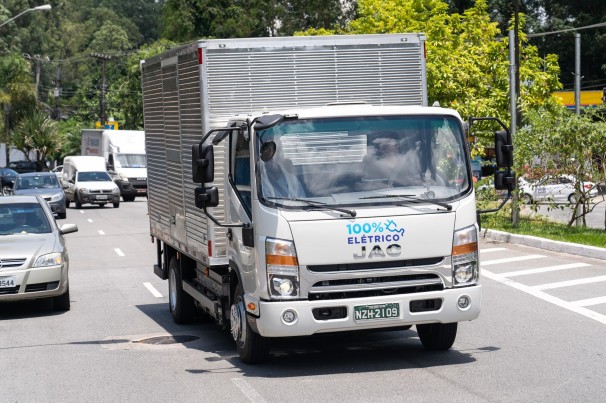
(465, 269)
(51, 259)
(123, 177)
(282, 269)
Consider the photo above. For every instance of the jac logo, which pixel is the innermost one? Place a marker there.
(392, 250)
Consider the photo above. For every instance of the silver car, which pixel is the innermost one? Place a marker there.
(556, 188)
(33, 256)
(43, 184)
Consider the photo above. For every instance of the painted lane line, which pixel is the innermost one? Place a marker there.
(589, 301)
(546, 297)
(90, 220)
(153, 290)
(570, 283)
(119, 252)
(544, 269)
(101, 232)
(248, 390)
(490, 250)
(511, 259)
(81, 211)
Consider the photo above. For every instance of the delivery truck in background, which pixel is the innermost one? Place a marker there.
(124, 153)
(302, 185)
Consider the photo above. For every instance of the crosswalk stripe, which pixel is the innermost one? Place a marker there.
(589, 301)
(546, 297)
(544, 269)
(510, 259)
(570, 283)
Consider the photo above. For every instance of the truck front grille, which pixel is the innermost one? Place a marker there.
(375, 265)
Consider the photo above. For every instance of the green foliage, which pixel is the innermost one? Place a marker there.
(38, 133)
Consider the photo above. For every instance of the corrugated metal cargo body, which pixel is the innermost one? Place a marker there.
(189, 90)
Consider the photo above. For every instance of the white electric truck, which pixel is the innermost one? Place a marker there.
(301, 185)
(124, 153)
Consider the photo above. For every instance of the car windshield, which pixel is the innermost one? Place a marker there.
(363, 160)
(94, 177)
(23, 218)
(130, 161)
(36, 182)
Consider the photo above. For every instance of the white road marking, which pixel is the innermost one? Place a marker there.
(153, 290)
(544, 269)
(90, 220)
(570, 283)
(489, 250)
(101, 232)
(546, 297)
(81, 211)
(248, 390)
(590, 301)
(119, 252)
(510, 259)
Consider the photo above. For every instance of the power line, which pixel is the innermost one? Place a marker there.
(601, 24)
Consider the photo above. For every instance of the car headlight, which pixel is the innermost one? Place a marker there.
(465, 269)
(51, 259)
(83, 190)
(115, 190)
(57, 197)
(282, 269)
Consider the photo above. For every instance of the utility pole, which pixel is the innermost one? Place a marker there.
(102, 115)
(57, 93)
(516, 115)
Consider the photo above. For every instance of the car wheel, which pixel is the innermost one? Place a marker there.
(526, 198)
(67, 202)
(437, 336)
(62, 215)
(61, 302)
(181, 304)
(117, 204)
(102, 205)
(128, 198)
(77, 201)
(572, 199)
(252, 347)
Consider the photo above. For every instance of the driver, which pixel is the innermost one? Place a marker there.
(278, 178)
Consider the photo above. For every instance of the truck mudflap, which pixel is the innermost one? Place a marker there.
(304, 318)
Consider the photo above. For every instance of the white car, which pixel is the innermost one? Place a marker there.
(33, 256)
(556, 188)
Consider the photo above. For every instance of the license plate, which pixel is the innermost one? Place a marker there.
(8, 282)
(101, 197)
(376, 312)
(140, 190)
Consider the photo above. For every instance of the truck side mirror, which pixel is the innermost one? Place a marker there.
(202, 163)
(206, 197)
(504, 180)
(503, 149)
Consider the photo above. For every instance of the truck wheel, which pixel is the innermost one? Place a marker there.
(252, 347)
(437, 336)
(77, 201)
(180, 303)
(61, 302)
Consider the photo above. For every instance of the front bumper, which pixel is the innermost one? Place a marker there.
(270, 323)
(94, 198)
(58, 207)
(132, 188)
(40, 282)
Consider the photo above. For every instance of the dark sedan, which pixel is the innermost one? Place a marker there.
(7, 179)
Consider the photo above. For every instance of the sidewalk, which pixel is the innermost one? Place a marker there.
(547, 244)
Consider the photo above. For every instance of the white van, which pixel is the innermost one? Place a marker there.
(85, 180)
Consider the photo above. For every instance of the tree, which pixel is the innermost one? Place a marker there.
(38, 133)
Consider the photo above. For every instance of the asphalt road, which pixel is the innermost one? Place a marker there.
(540, 337)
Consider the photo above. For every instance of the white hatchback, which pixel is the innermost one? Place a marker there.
(556, 188)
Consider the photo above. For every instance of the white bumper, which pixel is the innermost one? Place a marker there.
(270, 323)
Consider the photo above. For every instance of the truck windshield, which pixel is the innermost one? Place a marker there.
(352, 161)
(130, 161)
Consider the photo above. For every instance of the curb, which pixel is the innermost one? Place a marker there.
(547, 244)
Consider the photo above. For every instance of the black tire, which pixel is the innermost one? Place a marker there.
(128, 198)
(117, 204)
(437, 336)
(252, 347)
(77, 202)
(180, 303)
(62, 215)
(61, 302)
(67, 202)
(102, 205)
(526, 198)
(572, 199)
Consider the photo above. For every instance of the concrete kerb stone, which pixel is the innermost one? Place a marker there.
(547, 244)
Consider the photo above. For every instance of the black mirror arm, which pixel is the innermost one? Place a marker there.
(213, 219)
(493, 210)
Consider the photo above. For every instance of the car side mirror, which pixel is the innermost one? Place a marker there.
(68, 229)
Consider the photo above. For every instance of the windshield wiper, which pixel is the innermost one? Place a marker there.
(318, 205)
(411, 198)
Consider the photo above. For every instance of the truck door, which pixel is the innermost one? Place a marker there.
(239, 200)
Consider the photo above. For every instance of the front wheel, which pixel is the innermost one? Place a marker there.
(572, 199)
(78, 203)
(181, 304)
(252, 347)
(61, 302)
(526, 198)
(437, 336)
(116, 205)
